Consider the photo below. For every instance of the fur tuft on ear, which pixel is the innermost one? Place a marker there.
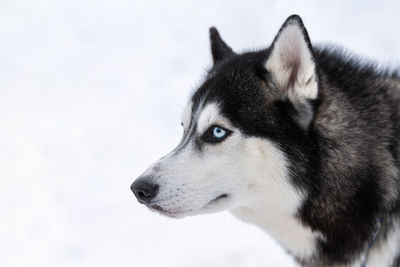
(219, 49)
(291, 62)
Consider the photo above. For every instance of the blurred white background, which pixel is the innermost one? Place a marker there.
(91, 93)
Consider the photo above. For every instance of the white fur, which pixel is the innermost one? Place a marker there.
(383, 253)
(187, 115)
(290, 56)
(251, 171)
(275, 201)
(210, 115)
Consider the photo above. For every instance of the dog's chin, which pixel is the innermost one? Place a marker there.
(217, 204)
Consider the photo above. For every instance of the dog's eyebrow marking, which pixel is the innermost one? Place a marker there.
(187, 115)
(208, 116)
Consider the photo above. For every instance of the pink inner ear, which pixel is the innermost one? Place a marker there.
(291, 63)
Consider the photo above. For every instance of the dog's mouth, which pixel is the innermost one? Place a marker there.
(217, 199)
(179, 213)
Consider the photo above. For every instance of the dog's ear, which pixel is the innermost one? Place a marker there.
(292, 68)
(219, 49)
(291, 61)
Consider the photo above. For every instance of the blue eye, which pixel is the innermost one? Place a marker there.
(218, 132)
(215, 134)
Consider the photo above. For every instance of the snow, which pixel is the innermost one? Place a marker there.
(91, 93)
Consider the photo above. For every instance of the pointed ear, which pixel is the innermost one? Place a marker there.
(291, 62)
(219, 49)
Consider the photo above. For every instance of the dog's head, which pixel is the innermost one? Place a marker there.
(237, 128)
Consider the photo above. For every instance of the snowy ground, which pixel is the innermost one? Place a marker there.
(91, 93)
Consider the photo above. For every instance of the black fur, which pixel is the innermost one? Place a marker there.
(219, 49)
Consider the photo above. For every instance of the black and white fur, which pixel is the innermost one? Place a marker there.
(311, 152)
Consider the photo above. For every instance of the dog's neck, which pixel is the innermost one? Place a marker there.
(286, 229)
(301, 242)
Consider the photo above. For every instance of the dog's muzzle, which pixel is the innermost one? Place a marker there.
(144, 189)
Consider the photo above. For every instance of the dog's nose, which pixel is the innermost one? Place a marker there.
(144, 190)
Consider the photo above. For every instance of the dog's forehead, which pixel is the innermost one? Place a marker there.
(231, 90)
(208, 115)
(202, 115)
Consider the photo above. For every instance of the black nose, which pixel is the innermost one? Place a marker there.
(144, 190)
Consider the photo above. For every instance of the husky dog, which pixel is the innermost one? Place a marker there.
(300, 140)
